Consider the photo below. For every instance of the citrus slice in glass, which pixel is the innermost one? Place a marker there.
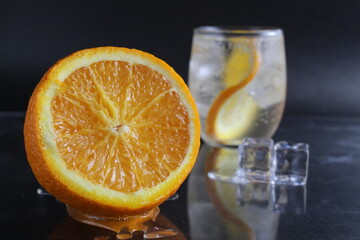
(242, 63)
(111, 131)
(233, 111)
(232, 116)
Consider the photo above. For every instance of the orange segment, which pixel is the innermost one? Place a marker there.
(111, 131)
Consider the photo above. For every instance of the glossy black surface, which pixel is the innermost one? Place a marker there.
(207, 209)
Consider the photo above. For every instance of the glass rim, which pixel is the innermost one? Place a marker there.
(238, 30)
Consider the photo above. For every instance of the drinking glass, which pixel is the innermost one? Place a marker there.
(237, 77)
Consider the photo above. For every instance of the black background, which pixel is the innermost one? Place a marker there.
(322, 41)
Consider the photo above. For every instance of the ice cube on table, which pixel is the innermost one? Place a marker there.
(291, 162)
(256, 159)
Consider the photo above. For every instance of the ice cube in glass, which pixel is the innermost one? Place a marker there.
(291, 163)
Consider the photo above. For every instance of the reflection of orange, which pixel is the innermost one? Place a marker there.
(241, 68)
(70, 229)
(222, 157)
(111, 131)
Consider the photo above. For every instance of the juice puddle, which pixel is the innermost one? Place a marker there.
(125, 227)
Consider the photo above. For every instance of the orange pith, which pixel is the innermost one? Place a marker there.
(116, 136)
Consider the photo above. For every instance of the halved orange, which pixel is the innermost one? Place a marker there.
(111, 131)
(233, 110)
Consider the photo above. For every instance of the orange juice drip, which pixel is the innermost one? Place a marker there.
(128, 224)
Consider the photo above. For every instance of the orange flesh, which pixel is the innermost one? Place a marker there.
(135, 143)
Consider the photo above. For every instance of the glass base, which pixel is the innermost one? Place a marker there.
(125, 227)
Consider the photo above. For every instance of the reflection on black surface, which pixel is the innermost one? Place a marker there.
(221, 210)
(283, 199)
(108, 229)
(289, 199)
(70, 229)
(257, 194)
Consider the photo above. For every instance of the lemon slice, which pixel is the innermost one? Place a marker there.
(235, 116)
(242, 64)
(233, 111)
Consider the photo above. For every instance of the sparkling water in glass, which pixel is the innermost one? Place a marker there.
(237, 77)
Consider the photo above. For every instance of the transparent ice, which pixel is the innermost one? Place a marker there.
(260, 160)
(256, 159)
(291, 163)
